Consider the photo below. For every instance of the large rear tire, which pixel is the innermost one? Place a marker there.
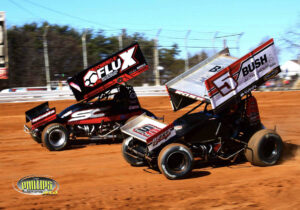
(265, 148)
(129, 156)
(175, 161)
(55, 137)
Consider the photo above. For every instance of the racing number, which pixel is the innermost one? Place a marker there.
(215, 69)
(225, 84)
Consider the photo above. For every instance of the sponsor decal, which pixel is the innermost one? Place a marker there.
(188, 95)
(271, 74)
(147, 130)
(254, 64)
(37, 185)
(88, 114)
(110, 68)
(162, 136)
(43, 121)
(51, 112)
(258, 61)
(244, 75)
(115, 69)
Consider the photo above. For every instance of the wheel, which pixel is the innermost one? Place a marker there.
(55, 137)
(175, 161)
(129, 156)
(265, 148)
(36, 137)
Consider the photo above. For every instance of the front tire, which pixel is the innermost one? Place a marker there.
(129, 156)
(265, 148)
(175, 161)
(55, 137)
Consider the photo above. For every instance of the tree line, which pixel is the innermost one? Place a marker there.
(26, 58)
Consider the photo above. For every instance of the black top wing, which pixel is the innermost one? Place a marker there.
(116, 69)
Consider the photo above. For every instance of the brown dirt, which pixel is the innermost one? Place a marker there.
(96, 176)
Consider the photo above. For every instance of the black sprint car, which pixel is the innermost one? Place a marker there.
(104, 103)
(227, 128)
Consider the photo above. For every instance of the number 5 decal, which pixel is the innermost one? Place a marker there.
(225, 84)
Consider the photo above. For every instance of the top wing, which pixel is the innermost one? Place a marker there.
(220, 79)
(189, 87)
(116, 69)
(244, 75)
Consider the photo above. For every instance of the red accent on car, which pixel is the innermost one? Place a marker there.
(217, 147)
(252, 111)
(44, 121)
(150, 139)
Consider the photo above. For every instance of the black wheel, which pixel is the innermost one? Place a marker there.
(175, 161)
(36, 137)
(265, 148)
(55, 137)
(130, 144)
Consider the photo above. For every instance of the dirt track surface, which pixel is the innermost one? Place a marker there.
(96, 176)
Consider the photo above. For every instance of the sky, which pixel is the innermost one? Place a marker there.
(256, 20)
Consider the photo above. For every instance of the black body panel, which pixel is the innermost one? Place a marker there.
(106, 74)
(200, 127)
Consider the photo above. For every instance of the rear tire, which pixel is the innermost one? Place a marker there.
(175, 161)
(265, 148)
(55, 137)
(130, 142)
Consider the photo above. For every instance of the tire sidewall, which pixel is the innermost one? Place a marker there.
(274, 159)
(256, 148)
(46, 134)
(170, 150)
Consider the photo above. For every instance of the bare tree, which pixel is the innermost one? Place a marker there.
(291, 40)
